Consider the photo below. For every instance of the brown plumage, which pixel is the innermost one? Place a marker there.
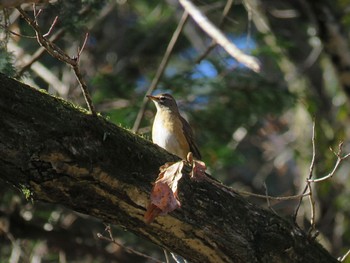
(170, 130)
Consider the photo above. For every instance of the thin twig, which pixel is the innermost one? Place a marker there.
(56, 52)
(36, 14)
(130, 250)
(213, 43)
(15, 33)
(80, 78)
(40, 51)
(311, 196)
(313, 210)
(276, 198)
(312, 165)
(208, 27)
(51, 27)
(160, 70)
(166, 255)
(84, 88)
(339, 160)
(268, 199)
(80, 50)
(235, 192)
(341, 259)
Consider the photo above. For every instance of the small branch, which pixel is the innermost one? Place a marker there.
(233, 192)
(84, 88)
(56, 52)
(213, 44)
(80, 50)
(341, 259)
(313, 210)
(36, 15)
(268, 199)
(339, 160)
(15, 33)
(167, 259)
(160, 70)
(219, 37)
(309, 181)
(312, 165)
(311, 197)
(276, 198)
(129, 250)
(51, 27)
(40, 51)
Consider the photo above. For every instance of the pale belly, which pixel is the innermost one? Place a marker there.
(165, 138)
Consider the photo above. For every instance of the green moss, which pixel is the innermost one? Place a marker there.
(44, 91)
(27, 192)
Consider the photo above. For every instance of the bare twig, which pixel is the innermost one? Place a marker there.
(249, 61)
(36, 14)
(213, 44)
(15, 33)
(160, 70)
(268, 199)
(84, 88)
(166, 255)
(276, 198)
(309, 181)
(56, 52)
(341, 259)
(312, 209)
(311, 196)
(40, 51)
(311, 169)
(339, 160)
(234, 192)
(130, 250)
(51, 27)
(80, 50)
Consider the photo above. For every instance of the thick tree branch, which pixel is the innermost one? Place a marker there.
(63, 155)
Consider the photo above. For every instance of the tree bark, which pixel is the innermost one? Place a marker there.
(57, 153)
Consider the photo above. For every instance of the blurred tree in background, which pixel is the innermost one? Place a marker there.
(254, 129)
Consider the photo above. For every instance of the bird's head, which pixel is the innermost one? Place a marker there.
(164, 102)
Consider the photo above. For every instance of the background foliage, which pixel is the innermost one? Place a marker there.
(254, 130)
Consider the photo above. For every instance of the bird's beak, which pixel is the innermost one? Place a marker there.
(152, 97)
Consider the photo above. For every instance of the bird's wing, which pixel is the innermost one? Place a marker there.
(190, 139)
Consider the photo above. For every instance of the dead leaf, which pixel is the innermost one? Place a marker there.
(198, 168)
(164, 197)
(198, 171)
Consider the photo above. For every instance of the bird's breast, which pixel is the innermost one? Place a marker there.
(167, 132)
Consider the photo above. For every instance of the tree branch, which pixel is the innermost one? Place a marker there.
(59, 54)
(58, 153)
(218, 36)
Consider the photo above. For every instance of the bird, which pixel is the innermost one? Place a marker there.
(170, 130)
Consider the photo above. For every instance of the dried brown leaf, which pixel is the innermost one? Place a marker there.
(198, 168)
(164, 197)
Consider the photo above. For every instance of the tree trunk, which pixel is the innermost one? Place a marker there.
(57, 153)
